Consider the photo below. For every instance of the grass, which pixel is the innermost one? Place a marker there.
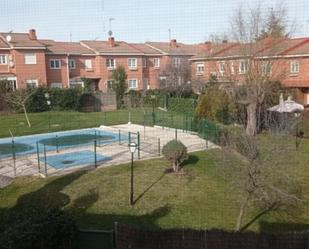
(198, 198)
(70, 120)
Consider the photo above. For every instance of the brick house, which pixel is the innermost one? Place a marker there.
(288, 57)
(22, 59)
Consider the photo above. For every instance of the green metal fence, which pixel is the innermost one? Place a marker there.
(95, 239)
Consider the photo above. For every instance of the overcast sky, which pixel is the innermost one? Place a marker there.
(190, 21)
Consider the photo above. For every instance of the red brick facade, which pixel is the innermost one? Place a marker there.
(24, 59)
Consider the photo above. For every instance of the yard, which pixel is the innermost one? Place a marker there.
(197, 198)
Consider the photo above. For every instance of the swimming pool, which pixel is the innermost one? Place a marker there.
(24, 145)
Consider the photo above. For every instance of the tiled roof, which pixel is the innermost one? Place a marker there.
(103, 47)
(3, 44)
(180, 49)
(215, 49)
(22, 40)
(65, 47)
(146, 49)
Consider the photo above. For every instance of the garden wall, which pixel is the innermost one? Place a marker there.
(129, 238)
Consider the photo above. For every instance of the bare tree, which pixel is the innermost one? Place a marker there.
(176, 78)
(18, 100)
(254, 69)
(262, 183)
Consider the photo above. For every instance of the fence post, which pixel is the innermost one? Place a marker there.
(176, 134)
(38, 156)
(119, 136)
(14, 156)
(186, 123)
(57, 145)
(115, 234)
(138, 146)
(129, 137)
(159, 147)
(45, 160)
(95, 153)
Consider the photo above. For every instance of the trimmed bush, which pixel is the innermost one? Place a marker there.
(176, 153)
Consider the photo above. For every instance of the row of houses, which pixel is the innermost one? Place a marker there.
(26, 60)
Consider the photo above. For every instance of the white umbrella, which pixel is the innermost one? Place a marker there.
(288, 106)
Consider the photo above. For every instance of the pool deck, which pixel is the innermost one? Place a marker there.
(151, 139)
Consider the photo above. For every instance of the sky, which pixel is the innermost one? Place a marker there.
(189, 21)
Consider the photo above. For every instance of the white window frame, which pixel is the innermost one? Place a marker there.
(232, 68)
(32, 60)
(3, 59)
(88, 64)
(176, 62)
(136, 86)
(246, 66)
(130, 66)
(109, 65)
(266, 68)
(74, 84)
(156, 63)
(72, 64)
(54, 62)
(294, 67)
(221, 67)
(199, 66)
(32, 82)
(109, 83)
(56, 85)
(144, 62)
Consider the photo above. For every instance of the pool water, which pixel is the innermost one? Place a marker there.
(74, 139)
(55, 141)
(66, 160)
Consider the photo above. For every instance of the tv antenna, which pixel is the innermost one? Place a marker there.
(169, 34)
(110, 32)
(103, 15)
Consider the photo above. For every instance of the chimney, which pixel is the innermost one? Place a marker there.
(208, 45)
(268, 42)
(111, 41)
(173, 43)
(224, 41)
(32, 34)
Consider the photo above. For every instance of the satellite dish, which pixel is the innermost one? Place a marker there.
(8, 38)
(110, 33)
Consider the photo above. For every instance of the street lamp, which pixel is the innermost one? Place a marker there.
(47, 96)
(132, 148)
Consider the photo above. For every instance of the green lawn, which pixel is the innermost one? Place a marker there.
(198, 198)
(69, 120)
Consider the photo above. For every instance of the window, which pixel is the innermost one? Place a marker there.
(132, 83)
(30, 58)
(55, 64)
(76, 84)
(72, 64)
(200, 67)
(88, 64)
(156, 62)
(56, 85)
(176, 62)
(110, 63)
(32, 83)
(294, 67)
(266, 68)
(110, 84)
(3, 59)
(221, 67)
(144, 62)
(132, 63)
(243, 66)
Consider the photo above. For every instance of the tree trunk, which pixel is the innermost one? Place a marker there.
(242, 212)
(251, 119)
(26, 115)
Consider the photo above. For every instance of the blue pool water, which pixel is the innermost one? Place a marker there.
(55, 140)
(66, 160)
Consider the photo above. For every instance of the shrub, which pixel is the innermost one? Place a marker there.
(89, 102)
(36, 227)
(182, 105)
(176, 153)
(216, 105)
